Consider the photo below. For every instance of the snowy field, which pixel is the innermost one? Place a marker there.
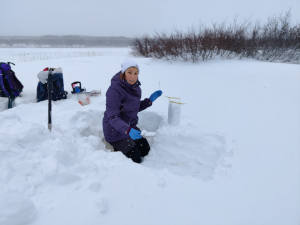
(233, 160)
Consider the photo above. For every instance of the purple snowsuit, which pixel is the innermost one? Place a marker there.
(123, 102)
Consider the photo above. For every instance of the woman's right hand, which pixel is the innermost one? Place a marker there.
(134, 134)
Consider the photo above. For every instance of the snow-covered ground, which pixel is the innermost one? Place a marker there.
(234, 159)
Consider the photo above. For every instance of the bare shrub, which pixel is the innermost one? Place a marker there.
(276, 40)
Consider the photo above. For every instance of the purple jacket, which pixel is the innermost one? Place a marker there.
(123, 102)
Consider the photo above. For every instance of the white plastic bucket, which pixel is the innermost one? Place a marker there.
(83, 99)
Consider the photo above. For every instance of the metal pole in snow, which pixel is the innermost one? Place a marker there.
(49, 85)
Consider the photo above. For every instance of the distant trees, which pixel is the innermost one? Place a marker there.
(64, 41)
(276, 40)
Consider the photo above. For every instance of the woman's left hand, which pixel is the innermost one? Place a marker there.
(155, 95)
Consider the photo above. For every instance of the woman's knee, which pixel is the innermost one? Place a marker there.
(135, 155)
(143, 146)
(135, 150)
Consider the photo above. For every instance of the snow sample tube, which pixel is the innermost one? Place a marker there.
(174, 112)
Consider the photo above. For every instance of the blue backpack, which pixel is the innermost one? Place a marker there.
(58, 91)
(10, 86)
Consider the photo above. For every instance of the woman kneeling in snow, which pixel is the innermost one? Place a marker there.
(123, 102)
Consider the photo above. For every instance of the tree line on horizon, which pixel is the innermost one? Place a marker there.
(64, 41)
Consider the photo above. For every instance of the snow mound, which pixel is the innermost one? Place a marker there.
(181, 151)
(187, 153)
(16, 209)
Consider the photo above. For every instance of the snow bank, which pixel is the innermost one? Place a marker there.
(65, 170)
(16, 209)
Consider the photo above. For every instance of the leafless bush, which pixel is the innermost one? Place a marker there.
(276, 40)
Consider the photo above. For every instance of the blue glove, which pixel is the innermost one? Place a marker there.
(135, 134)
(155, 95)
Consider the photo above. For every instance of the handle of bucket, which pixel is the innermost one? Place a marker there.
(76, 82)
(76, 86)
(11, 63)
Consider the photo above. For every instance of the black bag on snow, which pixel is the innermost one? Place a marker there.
(58, 91)
(10, 86)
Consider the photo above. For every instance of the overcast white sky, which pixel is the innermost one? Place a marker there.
(130, 17)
